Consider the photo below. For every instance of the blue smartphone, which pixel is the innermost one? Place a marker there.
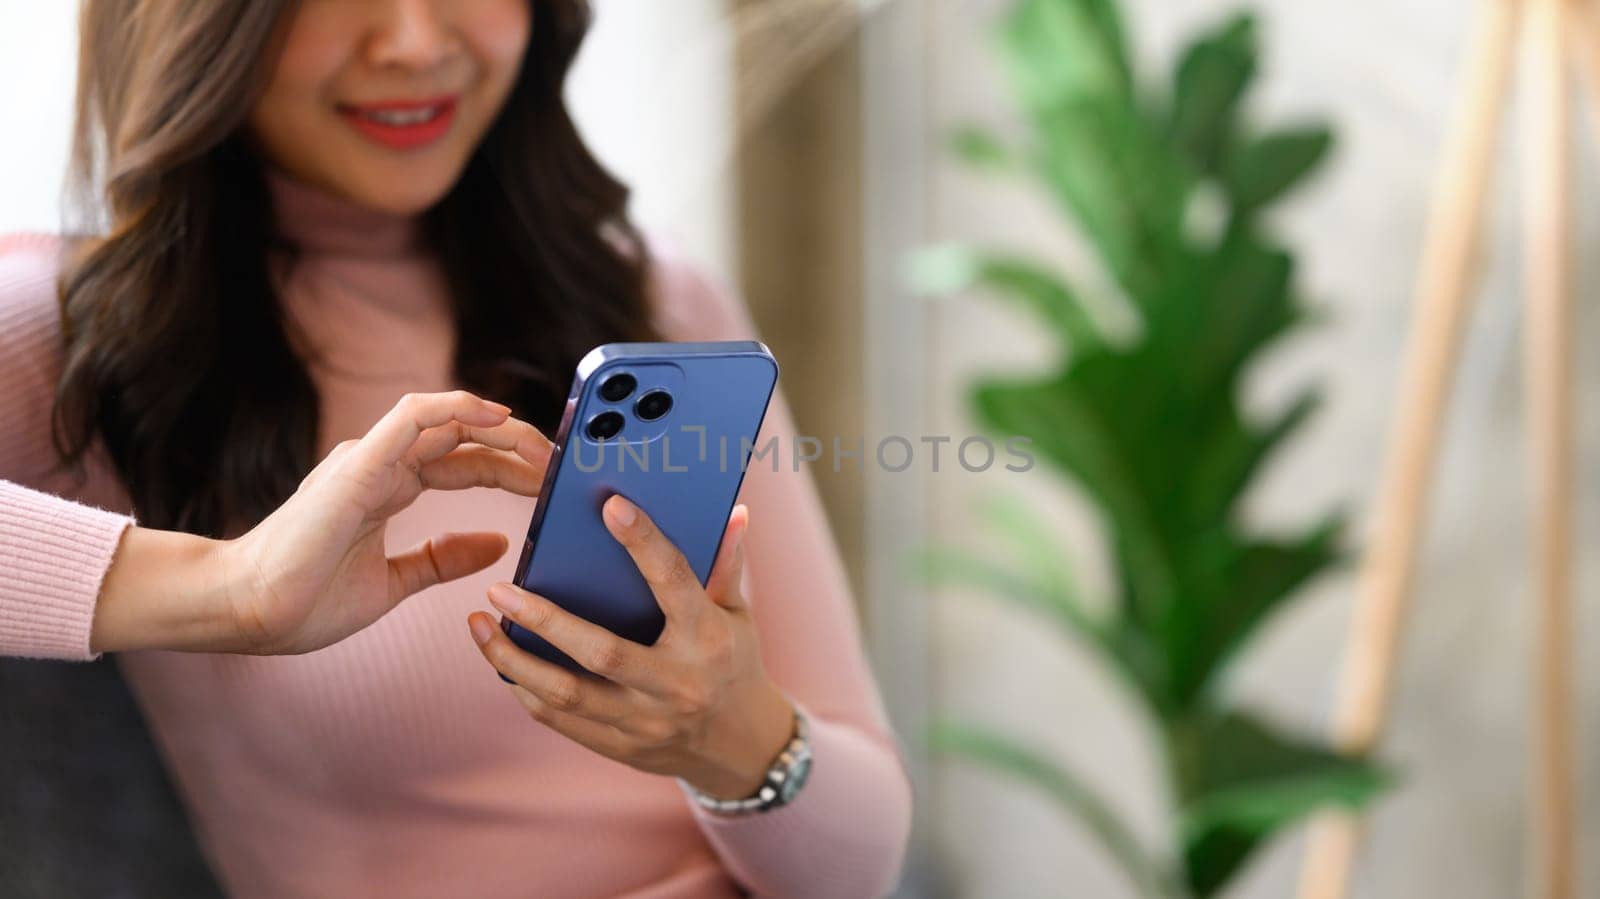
(671, 427)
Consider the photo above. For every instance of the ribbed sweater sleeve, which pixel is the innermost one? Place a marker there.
(54, 553)
(843, 837)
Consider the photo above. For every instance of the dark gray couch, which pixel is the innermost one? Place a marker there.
(86, 809)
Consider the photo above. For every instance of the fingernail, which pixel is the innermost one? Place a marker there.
(481, 630)
(623, 512)
(505, 598)
(501, 408)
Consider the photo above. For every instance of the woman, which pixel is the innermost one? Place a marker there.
(331, 227)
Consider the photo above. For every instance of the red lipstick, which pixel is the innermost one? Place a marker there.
(402, 124)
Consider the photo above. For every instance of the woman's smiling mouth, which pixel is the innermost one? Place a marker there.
(401, 124)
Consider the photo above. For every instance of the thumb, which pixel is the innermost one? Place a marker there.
(442, 558)
(723, 584)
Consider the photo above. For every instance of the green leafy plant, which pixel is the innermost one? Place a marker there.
(1169, 188)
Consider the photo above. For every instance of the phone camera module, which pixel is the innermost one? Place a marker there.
(653, 405)
(605, 426)
(617, 387)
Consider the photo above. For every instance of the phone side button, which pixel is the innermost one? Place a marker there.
(522, 561)
(505, 627)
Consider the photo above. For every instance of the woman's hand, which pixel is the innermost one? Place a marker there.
(697, 704)
(315, 571)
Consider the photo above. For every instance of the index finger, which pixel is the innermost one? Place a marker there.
(676, 587)
(394, 434)
(596, 649)
(518, 436)
(513, 435)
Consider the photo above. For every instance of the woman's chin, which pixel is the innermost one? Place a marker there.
(398, 191)
(405, 202)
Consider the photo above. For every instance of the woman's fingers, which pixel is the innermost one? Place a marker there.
(393, 436)
(560, 689)
(676, 588)
(602, 738)
(513, 435)
(519, 437)
(723, 584)
(590, 645)
(480, 466)
(442, 558)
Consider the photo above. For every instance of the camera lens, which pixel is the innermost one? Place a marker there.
(617, 387)
(653, 405)
(605, 426)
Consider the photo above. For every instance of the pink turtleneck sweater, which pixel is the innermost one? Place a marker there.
(395, 763)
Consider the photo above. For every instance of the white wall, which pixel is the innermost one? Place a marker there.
(650, 90)
(37, 69)
(1386, 73)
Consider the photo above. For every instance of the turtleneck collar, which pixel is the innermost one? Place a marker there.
(318, 221)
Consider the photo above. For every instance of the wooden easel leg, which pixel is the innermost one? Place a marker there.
(1448, 265)
(1584, 21)
(1548, 347)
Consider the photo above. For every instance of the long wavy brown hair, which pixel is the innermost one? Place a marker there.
(178, 354)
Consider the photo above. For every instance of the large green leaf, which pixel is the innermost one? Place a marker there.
(1101, 164)
(1064, 50)
(1154, 436)
(1030, 541)
(953, 567)
(1222, 472)
(1235, 584)
(1072, 793)
(1211, 78)
(947, 268)
(1269, 166)
(1094, 145)
(1233, 305)
(1072, 430)
(1240, 782)
(1150, 426)
(1075, 433)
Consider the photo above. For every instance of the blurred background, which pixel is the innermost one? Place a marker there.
(805, 151)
